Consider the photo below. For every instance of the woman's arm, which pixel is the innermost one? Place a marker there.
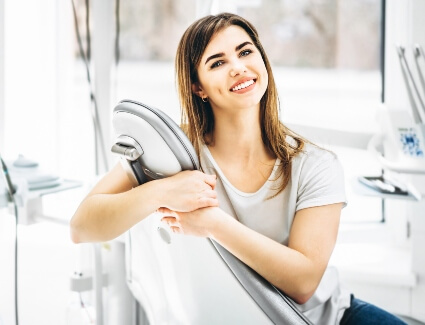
(296, 269)
(113, 206)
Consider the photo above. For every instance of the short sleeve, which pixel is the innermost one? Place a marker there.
(321, 180)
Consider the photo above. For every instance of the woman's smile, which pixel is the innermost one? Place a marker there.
(242, 86)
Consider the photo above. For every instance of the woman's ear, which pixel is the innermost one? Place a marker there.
(197, 90)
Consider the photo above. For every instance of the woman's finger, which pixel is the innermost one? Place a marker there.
(167, 212)
(163, 210)
(208, 202)
(167, 220)
(211, 180)
(176, 230)
(170, 220)
(210, 194)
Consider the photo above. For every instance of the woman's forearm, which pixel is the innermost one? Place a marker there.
(111, 208)
(285, 268)
(102, 217)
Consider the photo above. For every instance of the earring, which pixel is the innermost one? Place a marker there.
(204, 99)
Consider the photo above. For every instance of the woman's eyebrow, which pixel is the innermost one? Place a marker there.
(214, 56)
(237, 48)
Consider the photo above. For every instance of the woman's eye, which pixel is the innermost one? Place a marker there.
(216, 64)
(245, 52)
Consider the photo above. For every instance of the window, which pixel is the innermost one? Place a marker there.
(325, 56)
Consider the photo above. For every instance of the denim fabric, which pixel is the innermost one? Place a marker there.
(363, 313)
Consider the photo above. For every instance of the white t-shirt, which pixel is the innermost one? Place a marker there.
(317, 179)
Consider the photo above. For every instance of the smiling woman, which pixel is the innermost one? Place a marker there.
(268, 196)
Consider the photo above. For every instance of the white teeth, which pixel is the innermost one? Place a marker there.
(243, 85)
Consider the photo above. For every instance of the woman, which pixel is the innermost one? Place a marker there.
(268, 196)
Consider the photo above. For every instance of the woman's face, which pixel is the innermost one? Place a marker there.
(231, 72)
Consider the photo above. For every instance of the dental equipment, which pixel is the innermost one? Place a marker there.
(152, 146)
(30, 183)
(418, 52)
(402, 139)
(25, 184)
(401, 146)
(418, 113)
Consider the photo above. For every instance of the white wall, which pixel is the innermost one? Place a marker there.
(30, 75)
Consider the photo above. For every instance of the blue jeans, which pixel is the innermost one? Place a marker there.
(363, 313)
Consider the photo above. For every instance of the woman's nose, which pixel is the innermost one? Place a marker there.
(237, 67)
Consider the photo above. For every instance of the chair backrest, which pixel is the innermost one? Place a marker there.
(183, 279)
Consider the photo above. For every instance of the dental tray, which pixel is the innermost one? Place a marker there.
(383, 185)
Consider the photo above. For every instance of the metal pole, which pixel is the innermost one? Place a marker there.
(419, 52)
(98, 282)
(103, 62)
(412, 89)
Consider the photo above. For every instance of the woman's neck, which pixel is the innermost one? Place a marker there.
(238, 136)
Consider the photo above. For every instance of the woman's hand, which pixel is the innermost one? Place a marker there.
(199, 223)
(189, 191)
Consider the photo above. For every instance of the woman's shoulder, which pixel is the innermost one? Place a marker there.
(314, 157)
(313, 151)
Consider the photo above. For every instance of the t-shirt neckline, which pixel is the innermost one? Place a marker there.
(230, 185)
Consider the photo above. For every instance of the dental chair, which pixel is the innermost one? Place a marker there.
(181, 279)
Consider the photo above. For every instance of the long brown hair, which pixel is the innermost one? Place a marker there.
(197, 118)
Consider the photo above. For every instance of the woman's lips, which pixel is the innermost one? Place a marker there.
(242, 85)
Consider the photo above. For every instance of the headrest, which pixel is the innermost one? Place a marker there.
(150, 143)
